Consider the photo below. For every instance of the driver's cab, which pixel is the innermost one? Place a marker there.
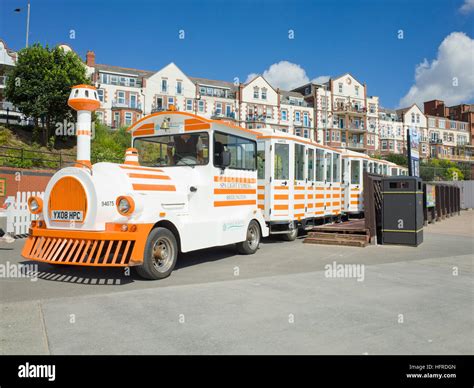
(213, 165)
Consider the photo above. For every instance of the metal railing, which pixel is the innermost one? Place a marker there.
(126, 104)
(25, 158)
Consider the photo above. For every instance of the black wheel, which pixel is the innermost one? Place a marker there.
(291, 236)
(250, 245)
(161, 254)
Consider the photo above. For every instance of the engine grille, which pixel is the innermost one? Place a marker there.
(115, 253)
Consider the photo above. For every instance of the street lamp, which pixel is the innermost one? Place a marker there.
(18, 10)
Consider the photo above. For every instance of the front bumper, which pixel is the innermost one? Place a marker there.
(113, 247)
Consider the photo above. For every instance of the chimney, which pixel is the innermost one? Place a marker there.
(90, 58)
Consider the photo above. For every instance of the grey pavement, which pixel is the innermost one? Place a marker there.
(278, 301)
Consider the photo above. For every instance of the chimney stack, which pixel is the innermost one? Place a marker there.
(90, 58)
(84, 100)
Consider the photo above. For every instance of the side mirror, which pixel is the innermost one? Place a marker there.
(225, 159)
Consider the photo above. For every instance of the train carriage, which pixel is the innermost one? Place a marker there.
(299, 181)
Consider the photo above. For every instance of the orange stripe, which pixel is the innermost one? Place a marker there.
(310, 196)
(298, 216)
(299, 188)
(234, 203)
(280, 207)
(318, 212)
(354, 195)
(145, 187)
(146, 176)
(336, 195)
(298, 206)
(319, 188)
(261, 187)
(299, 196)
(261, 207)
(319, 196)
(320, 205)
(336, 204)
(141, 132)
(235, 191)
(193, 121)
(280, 196)
(261, 196)
(281, 187)
(196, 127)
(328, 195)
(147, 126)
(234, 179)
(354, 202)
(310, 205)
(141, 168)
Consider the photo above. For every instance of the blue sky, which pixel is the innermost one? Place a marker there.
(227, 39)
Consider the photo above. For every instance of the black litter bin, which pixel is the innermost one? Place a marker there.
(402, 210)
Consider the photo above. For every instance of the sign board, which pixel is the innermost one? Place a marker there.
(430, 195)
(413, 151)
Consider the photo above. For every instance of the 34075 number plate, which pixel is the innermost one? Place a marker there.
(67, 215)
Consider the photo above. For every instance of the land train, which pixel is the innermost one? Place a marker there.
(188, 183)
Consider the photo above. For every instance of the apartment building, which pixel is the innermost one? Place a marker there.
(345, 117)
(338, 113)
(8, 112)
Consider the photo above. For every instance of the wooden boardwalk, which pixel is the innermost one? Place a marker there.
(350, 233)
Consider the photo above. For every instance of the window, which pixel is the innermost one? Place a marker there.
(384, 144)
(328, 134)
(121, 97)
(170, 101)
(243, 151)
(179, 87)
(319, 165)
(133, 101)
(164, 85)
(453, 124)
(264, 93)
(413, 118)
(218, 108)
(306, 119)
(128, 118)
(100, 93)
(261, 160)
(442, 124)
(116, 122)
(336, 167)
(100, 116)
(340, 87)
(356, 90)
(431, 123)
(132, 82)
(173, 150)
(201, 106)
(355, 172)
(372, 108)
(282, 156)
(284, 115)
(297, 117)
(299, 162)
(255, 92)
(418, 118)
(228, 110)
(114, 80)
(189, 104)
(328, 158)
(202, 91)
(310, 164)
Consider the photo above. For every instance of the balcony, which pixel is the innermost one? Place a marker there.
(356, 146)
(349, 109)
(125, 104)
(256, 118)
(218, 115)
(436, 141)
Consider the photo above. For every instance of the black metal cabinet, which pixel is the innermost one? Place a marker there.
(402, 210)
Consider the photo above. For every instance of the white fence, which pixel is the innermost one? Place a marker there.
(18, 215)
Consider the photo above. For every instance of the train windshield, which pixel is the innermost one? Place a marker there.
(173, 150)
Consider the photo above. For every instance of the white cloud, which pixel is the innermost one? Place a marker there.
(284, 75)
(467, 7)
(321, 79)
(449, 77)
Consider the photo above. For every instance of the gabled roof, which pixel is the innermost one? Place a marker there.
(212, 82)
(124, 70)
(402, 111)
(262, 77)
(345, 74)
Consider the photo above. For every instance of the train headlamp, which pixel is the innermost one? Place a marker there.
(125, 205)
(35, 205)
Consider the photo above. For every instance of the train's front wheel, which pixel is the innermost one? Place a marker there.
(250, 245)
(161, 254)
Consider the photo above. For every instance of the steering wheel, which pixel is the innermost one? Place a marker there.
(187, 160)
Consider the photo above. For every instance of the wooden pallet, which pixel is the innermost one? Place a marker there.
(351, 233)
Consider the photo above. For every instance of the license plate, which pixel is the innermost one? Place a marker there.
(66, 215)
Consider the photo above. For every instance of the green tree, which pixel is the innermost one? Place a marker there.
(40, 83)
(399, 159)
